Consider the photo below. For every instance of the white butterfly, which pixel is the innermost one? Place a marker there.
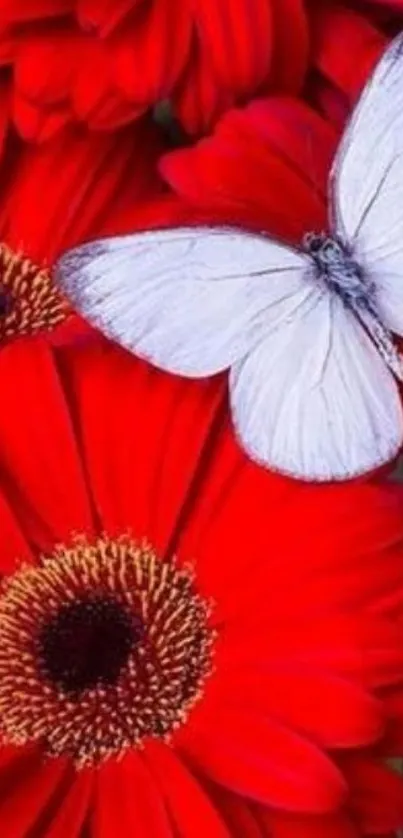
(306, 334)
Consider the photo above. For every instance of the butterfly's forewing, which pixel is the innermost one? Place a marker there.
(315, 400)
(192, 300)
(367, 185)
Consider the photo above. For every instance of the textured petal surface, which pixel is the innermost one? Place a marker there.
(37, 440)
(84, 181)
(143, 436)
(262, 760)
(149, 61)
(256, 158)
(190, 810)
(126, 790)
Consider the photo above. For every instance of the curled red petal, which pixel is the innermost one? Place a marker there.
(198, 98)
(376, 793)
(83, 181)
(45, 64)
(32, 10)
(348, 60)
(281, 825)
(237, 36)
(37, 124)
(259, 758)
(152, 54)
(290, 47)
(104, 15)
(96, 98)
(251, 165)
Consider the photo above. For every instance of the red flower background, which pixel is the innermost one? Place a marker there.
(204, 58)
(124, 114)
(283, 739)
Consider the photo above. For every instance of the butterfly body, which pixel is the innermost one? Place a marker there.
(336, 268)
(306, 335)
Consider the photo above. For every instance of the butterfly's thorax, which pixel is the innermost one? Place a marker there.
(336, 268)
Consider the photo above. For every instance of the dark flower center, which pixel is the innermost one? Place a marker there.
(6, 302)
(102, 645)
(87, 643)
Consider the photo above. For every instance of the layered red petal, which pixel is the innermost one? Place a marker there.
(31, 10)
(256, 159)
(81, 181)
(42, 476)
(190, 809)
(103, 15)
(151, 56)
(238, 36)
(126, 790)
(153, 426)
(259, 758)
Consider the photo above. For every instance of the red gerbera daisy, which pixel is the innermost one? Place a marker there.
(55, 195)
(205, 57)
(172, 615)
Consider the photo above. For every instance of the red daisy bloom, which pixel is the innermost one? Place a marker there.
(174, 616)
(55, 195)
(205, 57)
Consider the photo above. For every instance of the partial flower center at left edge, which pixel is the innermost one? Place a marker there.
(30, 303)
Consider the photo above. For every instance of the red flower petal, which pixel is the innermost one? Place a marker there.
(14, 548)
(83, 180)
(198, 99)
(260, 759)
(103, 15)
(290, 45)
(5, 112)
(27, 788)
(189, 809)
(8, 45)
(239, 813)
(348, 60)
(74, 806)
(330, 711)
(237, 36)
(150, 59)
(46, 63)
(256, 159)
(377, 793)
(161, 211)
(358, 646)
(392, 744)
(35, 124)
(144, 482)
(49, 509)
(329, 100)
(126, 791)
(96, 98)
(356, 557)
(327, 826)
(27, 10)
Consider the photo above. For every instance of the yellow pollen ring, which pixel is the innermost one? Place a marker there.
(162, 677)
